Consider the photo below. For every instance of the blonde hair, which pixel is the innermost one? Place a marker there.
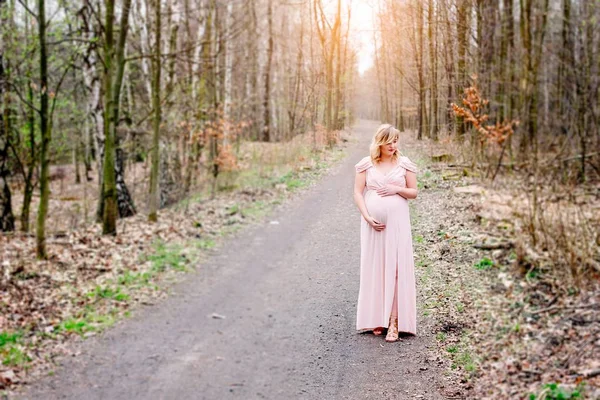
(385, 134)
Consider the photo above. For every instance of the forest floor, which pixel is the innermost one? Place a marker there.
(269, 312)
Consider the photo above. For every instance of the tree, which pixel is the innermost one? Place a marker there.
(46, 133)
(462, 34)
(421, 73)
(266, 132)
(432, 38)
(533, 32)
(153, 199)
(7, 219)
(114, 65)
(328, 48)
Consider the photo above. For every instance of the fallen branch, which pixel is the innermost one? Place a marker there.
(591, 374)
(575, 157)
(494, 246)
(552, 308)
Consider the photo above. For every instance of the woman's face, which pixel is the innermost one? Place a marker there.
(390, 148)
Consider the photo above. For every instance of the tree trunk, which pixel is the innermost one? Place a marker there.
(533, 40)
(266, 133)
(109, 189)
(420, 67)
(228, 86)
(7, 219)
(462, 32)
(114, 69)
(46, 134)
(449, 67)
(338, 70)
(28, 187)
(432, 34)
(252, 91)
(75, 151)
(153, 198)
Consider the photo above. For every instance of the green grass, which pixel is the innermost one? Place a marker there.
(292, 181)
(483, 264)
(166, 257)
(533, 273)
(134, 279)
(107, 292)
(11, 351)
(430, 304)
(234, 209)
(441, 336)
(205, 244)
(7, 338)
(73, 325)
(14, 356)
(88, 321)
(465, 360)
(553, 391)
(255, 209)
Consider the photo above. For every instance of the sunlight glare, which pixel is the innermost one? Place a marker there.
(362, 26)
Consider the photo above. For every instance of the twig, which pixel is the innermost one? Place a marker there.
(552, 308)
(575, 157)
(591, 374)
(16, 90)
(34, 15)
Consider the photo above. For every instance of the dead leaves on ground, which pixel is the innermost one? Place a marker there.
(504, 331)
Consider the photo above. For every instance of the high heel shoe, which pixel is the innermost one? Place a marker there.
(392, 334)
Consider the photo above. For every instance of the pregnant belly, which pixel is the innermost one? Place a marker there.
(380, 207)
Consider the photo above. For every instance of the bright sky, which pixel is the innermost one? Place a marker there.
(362, 27)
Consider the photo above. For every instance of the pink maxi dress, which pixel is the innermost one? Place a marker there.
(382, 253)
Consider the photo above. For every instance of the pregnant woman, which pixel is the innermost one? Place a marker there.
(384, 182)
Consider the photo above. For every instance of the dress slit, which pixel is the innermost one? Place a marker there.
(394, 297)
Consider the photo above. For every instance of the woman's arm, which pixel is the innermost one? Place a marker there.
(410, 191)
(360, 181)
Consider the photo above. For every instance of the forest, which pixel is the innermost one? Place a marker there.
(127, 123)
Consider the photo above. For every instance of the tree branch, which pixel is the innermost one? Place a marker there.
(34, 15)
(60, 82)
(16, 89)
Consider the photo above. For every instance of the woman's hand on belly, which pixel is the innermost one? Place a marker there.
(375, 224)
(388, 190)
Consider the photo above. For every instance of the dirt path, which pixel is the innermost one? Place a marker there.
(288, 292)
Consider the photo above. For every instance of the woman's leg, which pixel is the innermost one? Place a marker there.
(394, 314)
(395, 302)
(392, 335)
